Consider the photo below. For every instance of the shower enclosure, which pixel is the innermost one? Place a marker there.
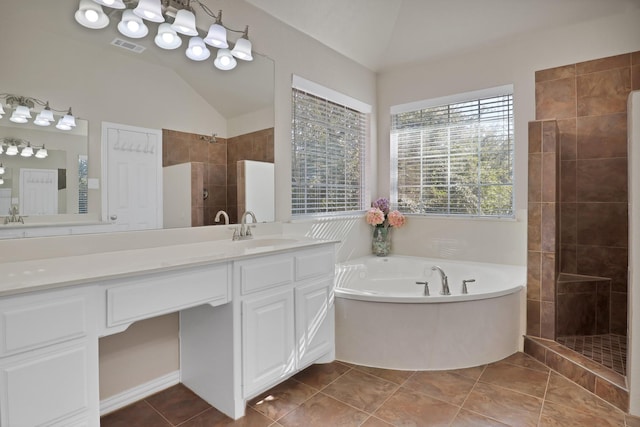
(578, 232)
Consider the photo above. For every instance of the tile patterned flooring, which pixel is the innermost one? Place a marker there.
(516, 391)
(608, 350)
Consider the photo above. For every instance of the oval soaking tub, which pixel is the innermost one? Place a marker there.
(384, 320)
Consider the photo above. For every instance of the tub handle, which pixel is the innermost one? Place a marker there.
(464, 285)
(426, 287)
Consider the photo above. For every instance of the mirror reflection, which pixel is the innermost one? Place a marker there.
(154, 89)
(38, 184)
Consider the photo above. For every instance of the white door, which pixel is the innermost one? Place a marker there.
(38, 191)
(132, 176)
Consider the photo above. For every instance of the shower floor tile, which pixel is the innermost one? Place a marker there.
(608, 350)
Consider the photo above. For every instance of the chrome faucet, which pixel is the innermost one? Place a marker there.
(445, 281)
(13, 216)
(245, 229)
(224, 214)
(464, 285)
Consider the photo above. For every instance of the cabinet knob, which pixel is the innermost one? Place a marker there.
(113, 217)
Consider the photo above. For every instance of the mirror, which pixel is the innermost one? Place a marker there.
(44, 186)
(67, 64)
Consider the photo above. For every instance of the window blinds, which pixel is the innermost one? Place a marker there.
(328, 152)
(454, 159)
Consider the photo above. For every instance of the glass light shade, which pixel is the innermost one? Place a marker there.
(1, 181)
(1, 111)
(151, 10)
(167, 37)
(42, 153)
(18, 118)
(1, 169)
(40, 121)
(224, 60)
(217, 36)
(185, 23)
(197, 50)
(22, 111)
(242, 50)
(114, 4)
(27, 151)
(12, 150)
(66, 122)
(91, 15)
(132, 26)
(1, 151)
(47, 114)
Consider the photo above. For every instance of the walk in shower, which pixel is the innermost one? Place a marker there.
(578, 242)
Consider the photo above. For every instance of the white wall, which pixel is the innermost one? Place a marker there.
(176, 196)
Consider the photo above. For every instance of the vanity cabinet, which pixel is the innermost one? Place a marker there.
(49, 359)
(286, 319)
(283, 316)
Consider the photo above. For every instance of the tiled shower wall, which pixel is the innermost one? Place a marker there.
(215, 163)
(543, 217)
(588, 101)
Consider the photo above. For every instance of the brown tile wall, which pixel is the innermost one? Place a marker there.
(214, 165)
(589, 102)
(583, 306)
(542, 244)
(251, 146)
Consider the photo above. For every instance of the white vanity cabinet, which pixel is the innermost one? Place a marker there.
(283, 318)
(49, 359)
(287, 317)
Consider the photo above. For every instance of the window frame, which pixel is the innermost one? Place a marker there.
(449, 102)
(364, 110)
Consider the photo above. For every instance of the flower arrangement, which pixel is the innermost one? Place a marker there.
(380, 217)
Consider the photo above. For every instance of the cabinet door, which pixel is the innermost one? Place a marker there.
(314, 320)
(268, 350)
(41, 389)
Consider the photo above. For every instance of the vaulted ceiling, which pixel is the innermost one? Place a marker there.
(381, 34)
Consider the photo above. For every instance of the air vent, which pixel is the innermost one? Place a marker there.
(128, 45)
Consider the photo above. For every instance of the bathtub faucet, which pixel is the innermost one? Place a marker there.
(445, 281)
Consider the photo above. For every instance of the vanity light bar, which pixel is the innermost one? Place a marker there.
(22, 108)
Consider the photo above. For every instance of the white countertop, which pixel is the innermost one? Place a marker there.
(47, 273)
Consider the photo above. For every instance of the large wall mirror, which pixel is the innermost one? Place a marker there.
(69, 65)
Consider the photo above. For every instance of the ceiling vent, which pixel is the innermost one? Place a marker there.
(128, 45)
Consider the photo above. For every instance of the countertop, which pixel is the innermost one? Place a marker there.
(48, 273)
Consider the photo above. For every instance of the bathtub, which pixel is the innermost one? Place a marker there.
(384, 320)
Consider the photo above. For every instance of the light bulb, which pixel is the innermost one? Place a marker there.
(133, 26)
(197, 50)
(1, 169)
(167, 37)
(1, 181)
(225, 60)
(108, 2)
(91, 15)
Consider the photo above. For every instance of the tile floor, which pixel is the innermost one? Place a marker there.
(517, 391)
(608, 350)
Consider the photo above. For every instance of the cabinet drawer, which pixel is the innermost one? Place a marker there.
(314, 264)
(32, 322)
(130, 300)
(264, 273)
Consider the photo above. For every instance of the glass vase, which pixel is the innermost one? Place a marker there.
(381, 244)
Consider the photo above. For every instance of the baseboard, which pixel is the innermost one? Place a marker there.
(139, 392)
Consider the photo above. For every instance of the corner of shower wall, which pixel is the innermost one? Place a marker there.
(543, 225)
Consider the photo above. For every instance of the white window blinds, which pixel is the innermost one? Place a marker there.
(454, 159)
(328, 156)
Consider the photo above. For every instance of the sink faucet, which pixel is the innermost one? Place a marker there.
(224, 214)
(445, 281)
(245, 230)
(13, 216)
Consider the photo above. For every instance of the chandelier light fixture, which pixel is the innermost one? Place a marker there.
(15, 146)
(174, 17)
(22, 107)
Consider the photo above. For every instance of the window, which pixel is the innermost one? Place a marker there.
(454, 158)
(328, 155)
